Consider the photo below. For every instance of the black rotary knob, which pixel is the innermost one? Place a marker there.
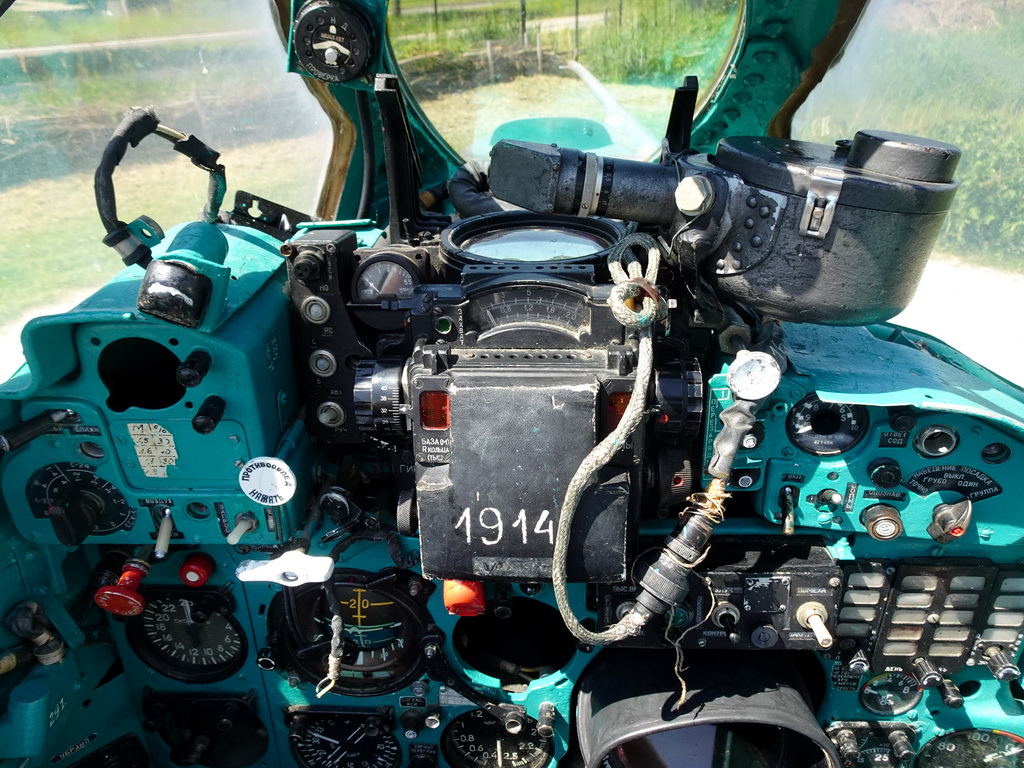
(886, 475)
(377, 396)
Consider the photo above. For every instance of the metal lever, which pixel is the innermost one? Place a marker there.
(292, 569)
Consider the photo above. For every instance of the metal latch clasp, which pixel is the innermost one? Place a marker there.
(820, 205)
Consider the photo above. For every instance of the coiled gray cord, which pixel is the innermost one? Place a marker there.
(631, 282)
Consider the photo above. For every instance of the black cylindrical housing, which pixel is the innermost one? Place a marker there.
(194, 369)
(546, 179)
(209, 415)
(629, 701)
(837, 235)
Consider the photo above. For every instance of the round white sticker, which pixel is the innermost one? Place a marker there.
(267, 480)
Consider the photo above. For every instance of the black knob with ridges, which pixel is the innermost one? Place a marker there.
(926, 673)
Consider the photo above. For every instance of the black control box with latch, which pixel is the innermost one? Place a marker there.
(750, 593)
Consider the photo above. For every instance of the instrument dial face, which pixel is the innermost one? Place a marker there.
(826, 429)
(530, 306)
(477, 740)
(971, 749)
(384, 279)
(383, 626)
(331, 41)
(189, 636)
(534, 244)
(891, 693)
(879, 756)
(78, 489)
(343, 740)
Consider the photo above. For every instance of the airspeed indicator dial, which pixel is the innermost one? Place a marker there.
(972, 749)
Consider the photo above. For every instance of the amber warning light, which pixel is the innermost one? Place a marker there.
(435, 410)
(617, 404)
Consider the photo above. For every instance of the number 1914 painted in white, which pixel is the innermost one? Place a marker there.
(493, 524)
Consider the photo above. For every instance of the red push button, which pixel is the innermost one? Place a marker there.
(197, 569)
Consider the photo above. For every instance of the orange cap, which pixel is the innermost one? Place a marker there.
(464, 598)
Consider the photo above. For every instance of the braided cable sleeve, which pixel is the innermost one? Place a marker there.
(630, 283)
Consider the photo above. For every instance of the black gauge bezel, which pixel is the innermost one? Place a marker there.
(803, 441)
(454, 237)
(312, 63)
(487, 725)
(399, 259)
(308, 599)
(315, 713)
(143, 645)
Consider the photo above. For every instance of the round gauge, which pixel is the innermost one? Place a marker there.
(971, 749)
(331, 41)
(523, 238)
(891, 693)
(826, 429)
(384, 278)
(75, 492)
(338, 739)
(475, 739)
(383, 625)
(188, 635)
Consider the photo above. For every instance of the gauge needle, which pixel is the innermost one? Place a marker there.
(500, 761)
(323, 738)
(187, 607)
(331, 44)
(1007, 753)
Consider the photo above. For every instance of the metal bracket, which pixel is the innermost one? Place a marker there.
(820, 205)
